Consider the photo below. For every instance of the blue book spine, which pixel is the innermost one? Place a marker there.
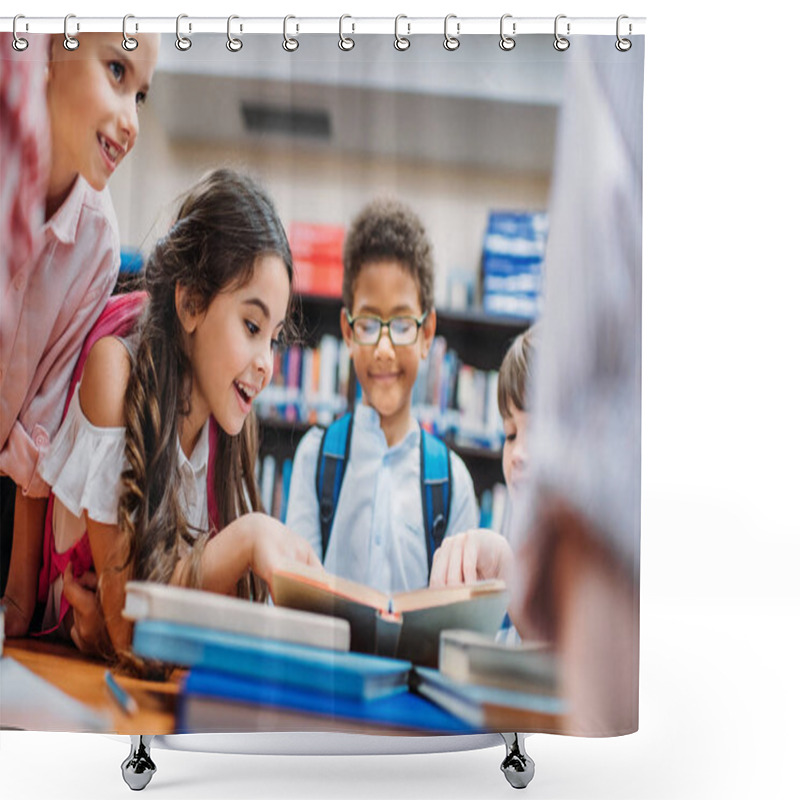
(405, 710)
(347, 674)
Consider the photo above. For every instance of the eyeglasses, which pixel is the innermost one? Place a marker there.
(403, 330)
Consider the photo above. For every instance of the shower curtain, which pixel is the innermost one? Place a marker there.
(523, 164)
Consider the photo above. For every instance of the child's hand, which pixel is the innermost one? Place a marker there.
(274, 544)
(88, 629)
(474, 555)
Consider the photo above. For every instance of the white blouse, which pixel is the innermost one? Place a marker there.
(84, 467)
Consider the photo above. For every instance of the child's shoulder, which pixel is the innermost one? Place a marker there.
(104, 381)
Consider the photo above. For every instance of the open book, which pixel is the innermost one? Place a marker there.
(405, 625)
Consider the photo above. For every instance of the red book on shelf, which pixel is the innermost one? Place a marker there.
(317, 255)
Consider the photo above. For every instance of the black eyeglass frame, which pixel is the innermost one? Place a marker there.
(418, 321)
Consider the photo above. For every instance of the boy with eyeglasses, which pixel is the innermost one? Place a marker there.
(378, 534)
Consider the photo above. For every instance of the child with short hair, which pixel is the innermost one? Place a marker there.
(378, 532)
(153, 469)
(51, 302)
(482, 554)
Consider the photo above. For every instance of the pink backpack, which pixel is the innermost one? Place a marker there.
(118, 318)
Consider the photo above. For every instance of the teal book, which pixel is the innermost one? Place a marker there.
(343, 674)
(216, 702)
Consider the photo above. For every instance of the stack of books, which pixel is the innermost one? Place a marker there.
(317, 255)
(343, 665)
(513, 260)
(495, 686)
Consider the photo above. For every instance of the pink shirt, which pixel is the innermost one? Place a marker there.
(25, 148)
(48, 307)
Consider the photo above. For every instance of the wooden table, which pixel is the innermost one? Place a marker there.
(83, 679)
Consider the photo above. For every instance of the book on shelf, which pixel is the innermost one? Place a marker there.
(513, 262)
(267, 482)
(346, 674)
(309, 385)
(470, 657)
(317, 256)
(493, 505)
(155, 601)
(216, 702)
(489, 707)
(286, 481)
(405, 625)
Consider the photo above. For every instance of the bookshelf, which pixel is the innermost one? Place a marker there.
(478, 340)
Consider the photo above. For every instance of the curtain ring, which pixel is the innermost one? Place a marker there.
(233, 44)
(128, 42)
(182, 42)
(623, 45)
(451, 42)
(561, 43)
(401, 42)
(18, 43)
(70, 42)
(345, 42)
(289, 44)
(507, 42)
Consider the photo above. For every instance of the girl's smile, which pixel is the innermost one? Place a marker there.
(230, 347)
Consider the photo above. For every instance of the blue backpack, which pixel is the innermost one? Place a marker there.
(435, 479)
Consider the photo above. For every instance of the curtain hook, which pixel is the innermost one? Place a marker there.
(623, 45)
(128, 42)
(507, 42)
(70, 42)
(18, 43)
(289, 44)
(345, 42)
(401, 42)
(233, 44)
(561, 43)
(451, 42)
(182, 42)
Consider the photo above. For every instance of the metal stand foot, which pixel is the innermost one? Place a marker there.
(517, 766)
(138, 768)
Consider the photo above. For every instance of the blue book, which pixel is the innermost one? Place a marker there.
(345, 674)
(216, 702)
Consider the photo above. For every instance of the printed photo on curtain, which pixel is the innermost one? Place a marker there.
(321, 383)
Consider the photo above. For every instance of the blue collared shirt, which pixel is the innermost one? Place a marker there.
(378, 533)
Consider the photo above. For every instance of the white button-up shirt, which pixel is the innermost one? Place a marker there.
(378, 533)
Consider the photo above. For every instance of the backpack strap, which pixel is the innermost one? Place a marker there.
(436, 480)
(334, 450)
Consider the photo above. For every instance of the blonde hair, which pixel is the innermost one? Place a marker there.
(515, 372)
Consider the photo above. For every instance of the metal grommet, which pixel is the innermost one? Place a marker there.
(345, 42)
(289, 44)
(623, 45)
(18, 43)
(233, 44)
(451, 42)
(70, 42)
(507, 42)
(561, 43)
(128, 42)
(182, 42)
(401, 42)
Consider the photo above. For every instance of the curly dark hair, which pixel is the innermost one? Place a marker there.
(386, 229)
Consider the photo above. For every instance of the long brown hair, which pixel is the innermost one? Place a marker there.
(224, 223)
